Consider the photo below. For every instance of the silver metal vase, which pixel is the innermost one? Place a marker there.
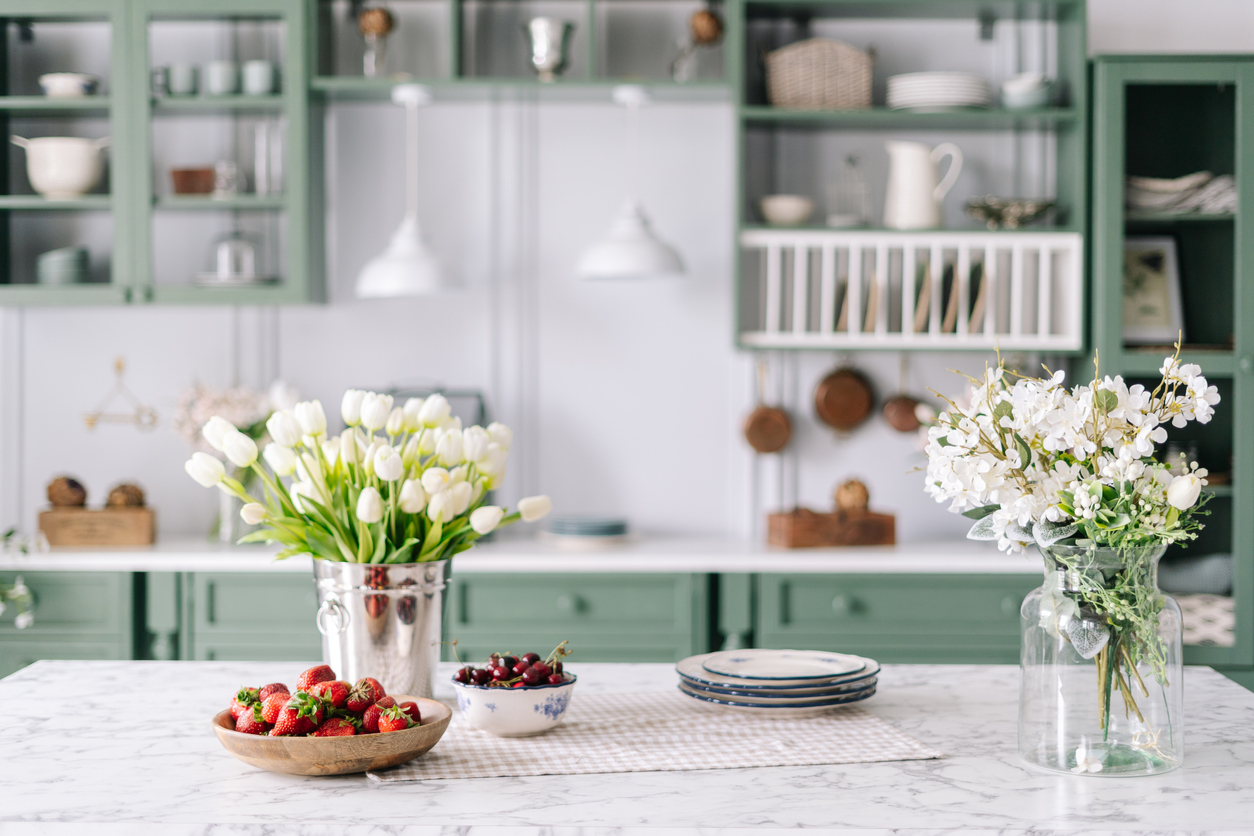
(383, 621)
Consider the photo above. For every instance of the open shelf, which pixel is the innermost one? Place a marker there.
(1178, 217)
(1148, 360)
(42, 105)
(882, 117)
(208, 203)
(360, 88)
(25, 201)
(217, 104)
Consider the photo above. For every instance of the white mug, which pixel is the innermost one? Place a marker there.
(182, 79)
(258, 78)
(221, 78)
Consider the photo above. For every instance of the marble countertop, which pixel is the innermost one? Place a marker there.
(534, 555)
(127, 745)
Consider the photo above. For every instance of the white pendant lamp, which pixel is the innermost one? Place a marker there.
(631, 250)
(407, 267)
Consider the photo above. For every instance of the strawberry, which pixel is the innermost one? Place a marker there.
(242, 702)
(311, 677)
(370, 719)
(335, 727)
(393, 719)
(411, 709)
(333, 692)
(374, 683)
(364, 694)
(272, 705)
(300, 715)
(250, 722)
(272, 688)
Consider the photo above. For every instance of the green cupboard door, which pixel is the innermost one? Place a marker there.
(77, 615)
(250, 617)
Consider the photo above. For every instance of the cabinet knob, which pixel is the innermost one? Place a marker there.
(842, 605)
(569, 604)
(1010, 605)
(1246, 364)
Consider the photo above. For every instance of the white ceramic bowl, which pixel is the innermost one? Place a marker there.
(1027, 100)
(68, 85)
(61, 167)
(787, 209)
(515, 712)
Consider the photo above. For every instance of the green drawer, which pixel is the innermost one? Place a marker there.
(74, 605)
(606, 617)
(895, 618)
(16, 654)
(260, 649)
(249, 617)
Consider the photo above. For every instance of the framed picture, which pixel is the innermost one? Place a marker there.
(1152, 311)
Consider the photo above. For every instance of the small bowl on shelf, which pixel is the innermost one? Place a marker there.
(515, 712)
(192, 180)
(68, 85)
(1026, 91)
(336, 755)
(786, 209)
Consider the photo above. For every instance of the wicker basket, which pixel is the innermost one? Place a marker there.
(819, 73)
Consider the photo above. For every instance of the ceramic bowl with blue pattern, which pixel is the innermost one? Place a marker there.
(515, 712)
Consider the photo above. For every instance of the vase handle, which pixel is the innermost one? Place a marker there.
(329, 608)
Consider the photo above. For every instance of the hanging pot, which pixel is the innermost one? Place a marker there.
(843, 399)
(767, 428)
(899, 412)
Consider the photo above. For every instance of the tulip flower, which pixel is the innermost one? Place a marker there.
(240, 449)
(284, 429)
(216, 430)
(493, 461)
(282, 460)
(435, 480)
(375, 410)
(410, 452)
(412, 407)
(433, 411)
(449, 448)
(484, 519)
(350, 407)
(501, 434)
(481, 487)
(475, 441)
(331, 450)
(370, 506)
(1183, 491)
(313, 421)
(427, 445)
(253, 513)
(451, 423)
(367, 458)
(533, 508)
(462, 493)
(396, 421)
(440, 507)
(302, 489)
(413, 497)
(387, 464)
(348, 447)
(205, 469)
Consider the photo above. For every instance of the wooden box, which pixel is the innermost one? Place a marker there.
(805, 529)
(98, 526)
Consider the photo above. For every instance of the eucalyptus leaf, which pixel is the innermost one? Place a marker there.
(982, 530)
(1019, 532)
(1002, 410)
(1025, 452)
(981, 512)
(1106, 400)
(1047, 533)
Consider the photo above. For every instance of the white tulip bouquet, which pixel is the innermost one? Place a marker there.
(413, 492)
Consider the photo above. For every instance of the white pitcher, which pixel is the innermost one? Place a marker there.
(914, 197)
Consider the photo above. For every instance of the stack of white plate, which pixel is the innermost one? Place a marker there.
(778, 683)
(937, 91)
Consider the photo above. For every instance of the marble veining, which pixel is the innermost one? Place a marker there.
(127, 746)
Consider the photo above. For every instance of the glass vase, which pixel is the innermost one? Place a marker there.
(1101, 689)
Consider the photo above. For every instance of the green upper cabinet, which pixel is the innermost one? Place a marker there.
(165, 105)
(1172, 258)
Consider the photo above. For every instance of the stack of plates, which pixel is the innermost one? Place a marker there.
(778, 683)
(937, 91)
(579, 532)
(68, 265)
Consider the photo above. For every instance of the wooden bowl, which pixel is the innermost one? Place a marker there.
(336, 755)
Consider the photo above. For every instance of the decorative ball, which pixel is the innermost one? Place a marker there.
(706, 27)
(852, 496)
(126, 496)
(67, 492)
(375, 21)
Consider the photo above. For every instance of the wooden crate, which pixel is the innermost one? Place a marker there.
(98, 526)
(803, 528)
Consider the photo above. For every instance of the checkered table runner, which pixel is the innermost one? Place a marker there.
(660, 732)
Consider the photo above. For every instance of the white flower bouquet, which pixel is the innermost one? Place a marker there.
(412, 493)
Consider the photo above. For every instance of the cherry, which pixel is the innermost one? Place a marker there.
(520, 668)
(518, 685)
(462, 676)
(531, 658)
(531, 676)
(542, 669)
(557, 666)
(502, 672)
(556, 679)
(481, 676)
(508, 661)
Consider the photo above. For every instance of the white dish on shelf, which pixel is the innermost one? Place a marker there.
(63, 167)
(68, 85)
(216, 280)
(792, 666)
(786, 209)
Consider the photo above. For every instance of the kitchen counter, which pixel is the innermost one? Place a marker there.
(88, 751)
(534, 555)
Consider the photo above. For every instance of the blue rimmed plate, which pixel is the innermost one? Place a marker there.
(792, 666)
(692, 668)
(782, 711)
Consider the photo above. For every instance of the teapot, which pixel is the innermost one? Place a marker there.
(914, 196)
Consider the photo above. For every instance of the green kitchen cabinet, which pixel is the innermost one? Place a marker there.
(1166, 117)
(607, 617)
(932, 618)
(249, 617)
(78, 615)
